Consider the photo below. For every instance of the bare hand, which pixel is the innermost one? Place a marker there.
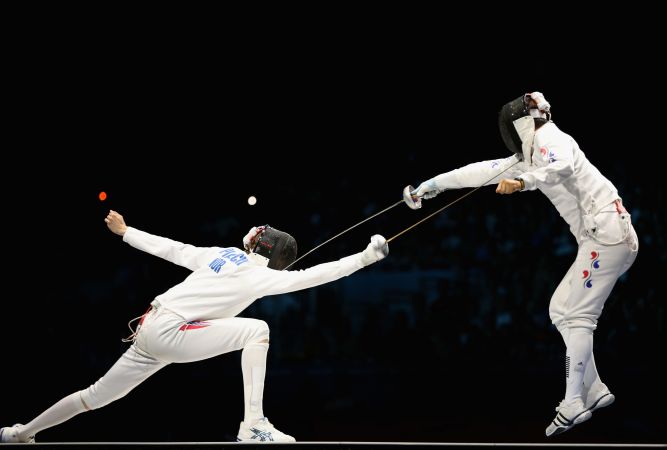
(116, 223)
(507, 186)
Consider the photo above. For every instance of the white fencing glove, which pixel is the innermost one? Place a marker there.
(375, 251)
(427, 189)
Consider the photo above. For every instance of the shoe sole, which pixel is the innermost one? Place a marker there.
(582, 417)
(605, 400)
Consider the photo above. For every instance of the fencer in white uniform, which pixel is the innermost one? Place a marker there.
(196, 320)
(549, 160)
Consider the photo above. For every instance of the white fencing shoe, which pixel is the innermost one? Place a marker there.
(11, 435)
(598, 397)
(262, 431)
(569, 415)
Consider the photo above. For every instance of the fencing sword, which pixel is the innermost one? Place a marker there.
(345, 231)
(413, 202)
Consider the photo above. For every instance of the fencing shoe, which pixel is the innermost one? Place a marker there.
(569, 415)
(262, 431)
(11, 434)
(598, 396)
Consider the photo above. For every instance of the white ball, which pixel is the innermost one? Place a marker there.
(252, 200)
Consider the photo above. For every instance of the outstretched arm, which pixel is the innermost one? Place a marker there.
(279, 282)
(173, 251)
(473, 175)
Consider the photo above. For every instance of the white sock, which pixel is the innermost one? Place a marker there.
(63, 410)
(253, 366)
(591, 376)
(579, 352)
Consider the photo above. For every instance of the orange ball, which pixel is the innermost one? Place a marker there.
(102, 196)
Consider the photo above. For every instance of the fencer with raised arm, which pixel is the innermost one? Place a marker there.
(549, 160)
(196, 319)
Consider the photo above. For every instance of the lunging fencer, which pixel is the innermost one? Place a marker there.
(196, 320)
(547, 159)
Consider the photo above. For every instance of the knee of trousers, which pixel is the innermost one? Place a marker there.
(557, 309)
(96, 396)
(586, 323)
(556, 318)
(259, 331)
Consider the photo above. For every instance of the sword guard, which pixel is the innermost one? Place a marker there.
(412, 201)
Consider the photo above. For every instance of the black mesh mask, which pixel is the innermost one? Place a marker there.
(510, 112)
(275, 245)
(514, 110)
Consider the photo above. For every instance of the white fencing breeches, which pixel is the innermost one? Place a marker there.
(164, 338)
(581, 295)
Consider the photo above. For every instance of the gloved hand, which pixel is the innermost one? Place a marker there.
(427, 189)
(375, 251)
(250, 239)
(541, 103)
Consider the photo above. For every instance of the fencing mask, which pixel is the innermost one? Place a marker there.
(516, 121)
(275, 245)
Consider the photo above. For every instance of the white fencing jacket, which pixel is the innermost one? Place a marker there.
(557, 167)
(224, 281)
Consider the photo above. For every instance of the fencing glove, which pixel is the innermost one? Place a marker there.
(375, 251)
(427, 189)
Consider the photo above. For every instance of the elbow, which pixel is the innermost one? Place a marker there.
(567, 169)
(558, 171)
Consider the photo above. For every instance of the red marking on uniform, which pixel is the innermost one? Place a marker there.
(594, 255)
(144, 315)
(543, 150)
(619, 207)
(193, 326)
(585, 274)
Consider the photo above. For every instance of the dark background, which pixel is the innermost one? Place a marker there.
(447, 339)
